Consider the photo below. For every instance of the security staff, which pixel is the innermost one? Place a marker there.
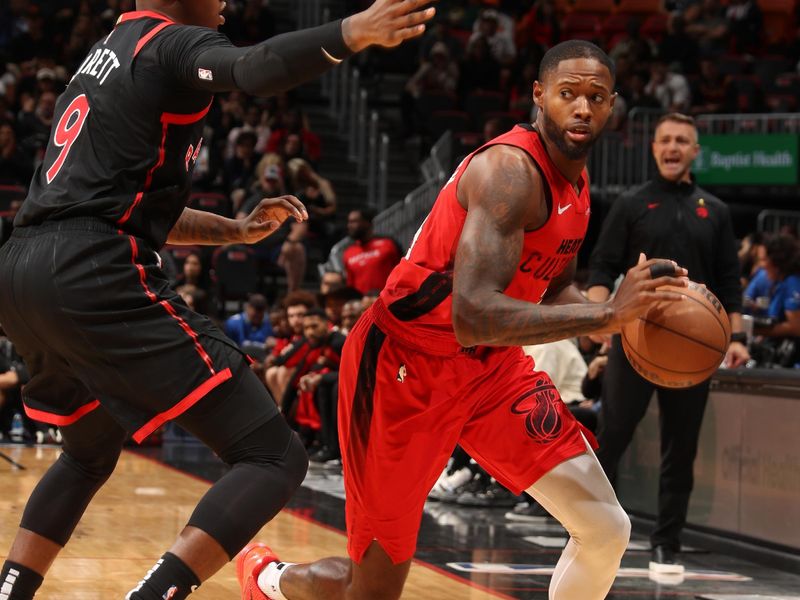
(670, 217)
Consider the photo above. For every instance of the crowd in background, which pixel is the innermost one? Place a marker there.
(474, 71)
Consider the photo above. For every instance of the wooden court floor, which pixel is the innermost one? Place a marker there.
(135, 518)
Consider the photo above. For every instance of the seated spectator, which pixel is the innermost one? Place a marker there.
(750, 254)
(371, 258)
(439, 32)
(438, 73)
(278, 368)
(351, 311)
(633, 45)
(317, 194)
(16, 168)
(479, 69)
(635, 94)
(677, 45)
(239, 170)
(333, 303)
(256, 120)
(192, 272)
(252, 325)
(35, 122)
(317, 400)
(335, 262)
(305, 143)
(540, 25)
(281, 332)
(330, 280)
(196, 298)
(500, 38)
(745, 23)
(706, 23)
(670, 89)
(710, 96)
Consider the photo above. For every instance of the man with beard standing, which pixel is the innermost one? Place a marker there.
(436, 360)
(672, 217)
(370, 259)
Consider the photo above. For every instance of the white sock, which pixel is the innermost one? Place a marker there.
(269, 580)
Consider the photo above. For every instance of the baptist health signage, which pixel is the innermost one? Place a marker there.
(765, 159)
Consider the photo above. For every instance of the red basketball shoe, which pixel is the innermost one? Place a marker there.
(249, 564)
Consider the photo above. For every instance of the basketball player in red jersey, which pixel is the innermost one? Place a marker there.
(436, 361)
(111, 348)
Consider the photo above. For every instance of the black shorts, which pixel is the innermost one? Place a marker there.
(97, 323)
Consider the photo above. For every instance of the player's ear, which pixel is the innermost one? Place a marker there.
(538, 92)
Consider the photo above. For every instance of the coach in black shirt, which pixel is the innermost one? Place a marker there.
(670, 217)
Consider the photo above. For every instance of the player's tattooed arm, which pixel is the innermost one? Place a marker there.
(504, 195)
(562, 290)
(204, 228)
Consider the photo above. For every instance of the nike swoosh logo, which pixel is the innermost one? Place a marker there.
(562, 209)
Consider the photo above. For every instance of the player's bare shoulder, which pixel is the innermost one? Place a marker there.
(504, 180)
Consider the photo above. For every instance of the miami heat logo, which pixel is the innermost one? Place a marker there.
(542, 419)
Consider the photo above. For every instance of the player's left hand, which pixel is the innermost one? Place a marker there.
(737, 355)
(387, 23)
(268, 216)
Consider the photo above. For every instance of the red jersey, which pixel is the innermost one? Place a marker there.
(368, 264)
(416, 303)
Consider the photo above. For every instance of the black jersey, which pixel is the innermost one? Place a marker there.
(129, 126)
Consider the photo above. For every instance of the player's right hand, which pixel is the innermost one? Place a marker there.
(387, 23)
(268, 216)
(638, 289)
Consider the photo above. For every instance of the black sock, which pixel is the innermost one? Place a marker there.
(169, 579)
(18, 582)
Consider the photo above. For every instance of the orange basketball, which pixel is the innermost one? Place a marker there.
(679, 344)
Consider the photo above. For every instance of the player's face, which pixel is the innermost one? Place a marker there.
(204, 13)
(675, 148)
(295, 316)
(575, 101)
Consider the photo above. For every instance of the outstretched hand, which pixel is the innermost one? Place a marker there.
(639, 289)
(269, 215)
(387, 23)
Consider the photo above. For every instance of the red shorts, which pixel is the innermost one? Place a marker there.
(402, 412)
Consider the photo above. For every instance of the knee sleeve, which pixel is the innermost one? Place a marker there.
(268, 466)
(91, 450)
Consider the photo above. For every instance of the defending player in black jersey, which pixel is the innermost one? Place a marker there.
(111, 348)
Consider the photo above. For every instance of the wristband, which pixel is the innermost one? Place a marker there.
(739, 336)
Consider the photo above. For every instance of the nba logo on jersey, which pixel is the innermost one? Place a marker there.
(205, 74)
(170, 593)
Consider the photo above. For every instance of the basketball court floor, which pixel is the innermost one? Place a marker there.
(463, 553)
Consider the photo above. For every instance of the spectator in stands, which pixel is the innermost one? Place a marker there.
(635, 93)
(351, 311)
(677, 45)
(710, 94)
(335, 262)
(284, 247)
(279, 371)
(192, 272)
(251, 325)
(307, 143)
(35, 122)
(331, 280)
(371, 258)
(779, 282)
(317, 195)
(633, 45)
(745, 22)
(500, 38)
(318, 387)
(670, 89)
(669, 217)
(706, 23)
(196, 298)
(438, 73)
(239, 170)
(281, 332)
(15, 167)
(539, 25)
(751, 251)
(256, 120)
(440, 31)
(333, 303)
(479, 70)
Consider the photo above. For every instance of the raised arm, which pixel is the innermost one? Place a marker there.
(503, 194)
(287, 60)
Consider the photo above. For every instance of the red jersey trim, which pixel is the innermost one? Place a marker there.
(168, 307)
(150, 35)
(142, 14)
(185, 119)
(181, 407)
(60, 420)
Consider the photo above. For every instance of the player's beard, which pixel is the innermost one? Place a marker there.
(558, 136)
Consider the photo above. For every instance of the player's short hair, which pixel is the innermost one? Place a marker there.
(574, 49)
(317, 312)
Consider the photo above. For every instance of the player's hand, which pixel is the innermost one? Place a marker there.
(387, 23)
(268, 216)
(737, 355)
(639, 288)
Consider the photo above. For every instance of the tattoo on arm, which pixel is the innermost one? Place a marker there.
(489, 252)
(204, 228)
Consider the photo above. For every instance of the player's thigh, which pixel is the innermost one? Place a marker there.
(521, 428)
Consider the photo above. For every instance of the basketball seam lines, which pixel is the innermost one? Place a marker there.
(683, 335)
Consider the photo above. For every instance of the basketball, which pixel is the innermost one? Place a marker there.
(679, 344)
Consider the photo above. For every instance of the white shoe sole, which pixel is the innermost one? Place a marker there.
(666, 569)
